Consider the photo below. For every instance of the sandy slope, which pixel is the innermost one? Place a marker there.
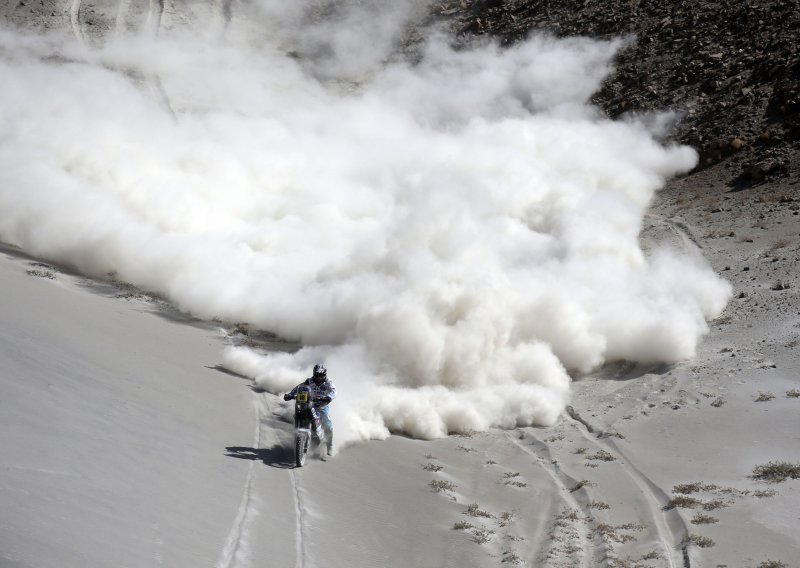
(111, 432)
(123, 445)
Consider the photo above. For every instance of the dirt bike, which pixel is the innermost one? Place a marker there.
(307, 426)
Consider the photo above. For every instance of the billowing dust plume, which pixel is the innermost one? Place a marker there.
(452, 231)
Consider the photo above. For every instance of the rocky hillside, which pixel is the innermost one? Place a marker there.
(731, 69)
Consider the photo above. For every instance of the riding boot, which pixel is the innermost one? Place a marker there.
(329, 441)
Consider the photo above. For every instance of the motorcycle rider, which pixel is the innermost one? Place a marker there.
(323, 392)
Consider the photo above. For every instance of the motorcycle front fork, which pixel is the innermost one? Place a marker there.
(317, 425)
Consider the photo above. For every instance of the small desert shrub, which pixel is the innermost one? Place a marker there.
(701, 541)
(687, 488)
(600, 505)
(581, 484)
(764, 397)
(617, 532)
(511, 558)
(794, 393)
(761, 493)
(482, 536)
(681, 502)
(516, 483)
(601, 455)
(473, 511)
(462, 526)
(580, 451)
(49, 274)
(505, 518)
(776, 472)
(509, 475)
(432, 467)
(466, 449)
(719, 401)
(490, 462)
(430, 457)
(568, 515)
(440, 485)
(714, 505)
(772, 564)
(701, 519)
(698, 486)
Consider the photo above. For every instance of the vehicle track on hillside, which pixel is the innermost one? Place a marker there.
(75, 21)
(681, 232)
(236, 536)
(669, 526)
(587, 554)
(236, 542)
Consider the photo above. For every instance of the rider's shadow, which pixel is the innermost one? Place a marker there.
(276, 456)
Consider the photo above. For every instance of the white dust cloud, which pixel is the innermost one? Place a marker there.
(450, 236)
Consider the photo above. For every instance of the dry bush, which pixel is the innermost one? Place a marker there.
(762, 493)
(701, 519)
(473, 511)
(463, 525)
(581, 484)
(505, 518)
(482, 536)
(600, 505)
(687, 488)
(601, 455)
(617, 533)
(681, 502)
(516, 483)
(490, 462)
(511, 558)
(794, 393)
(714, 505)
(719, 401)
(580, 451)
(764, 396)
(440, 485)
(466, 449)
(45, 273)
(701, 541)
(432, 467)
(509, 475)
(773, 564)
(776, 472)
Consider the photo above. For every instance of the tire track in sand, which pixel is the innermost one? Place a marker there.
(75, 21)
(268, 434)
(236, 543)
(586, 555)
(669, 525)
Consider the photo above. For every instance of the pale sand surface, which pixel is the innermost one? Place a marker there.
(124, 444)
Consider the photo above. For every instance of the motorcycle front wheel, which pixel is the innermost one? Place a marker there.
(300, 448)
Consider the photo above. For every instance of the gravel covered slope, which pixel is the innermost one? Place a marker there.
(732, 71)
